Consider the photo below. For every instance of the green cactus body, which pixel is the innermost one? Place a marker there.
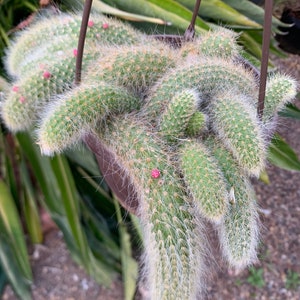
(177, 114)
(216, 43)
(134, 67)
(173, 242)
(52, 51)
(236, 123)
(204, 180)
(238, 230)
(207, 76)
(196, 124)
(27, 97)
(280, 90)
(78, 111)
(105, 30)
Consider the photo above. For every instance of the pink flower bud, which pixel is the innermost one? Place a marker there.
(46, 74)
(155, 173)
(91, 23)
(15, 88)
(105, 25)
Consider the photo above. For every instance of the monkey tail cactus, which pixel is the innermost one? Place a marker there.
(69, 118)
(280, 90)
(236, 123)
(175, 119)
(207, 76)
(216, 43)
(204, 180)
(173, 238)
(42, 32)
(185, 133)
(135, 67)
(239, 228)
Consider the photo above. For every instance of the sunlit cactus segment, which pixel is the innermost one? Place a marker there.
(237, 125)
(280, 90)
(204, 180)
(173, 242)
(56, 49)
(20, 108)
(220, 43)
(175, 118)
(206, 76)
(239, 229)
(135, 67)
(43, 31)
(78, 111)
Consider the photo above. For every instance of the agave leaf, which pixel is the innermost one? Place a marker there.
(251, 45)
(43, 172)
(60, 195)
(3, 280)
(12, 226)
(282, 155)
(70, 201)
(29, 206)
(156, 10)
(13, 253)
(179, 10)
(129, 265)
(291, 111)
(254, 12)
(107, 9)
(220, 11)
(19, 283)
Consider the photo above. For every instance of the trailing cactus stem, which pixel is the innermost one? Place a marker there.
(280, 90)
(204, 180)
(102, 29)
(220, 43)
(135, 67)
(175, 118)
(77, 112)
(238, 231)
(20, 109)
(197, 124)
(206, 76)
(235, 122)
(44, 55)
(173, 242)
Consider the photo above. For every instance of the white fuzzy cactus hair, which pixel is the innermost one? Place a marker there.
(180, 122)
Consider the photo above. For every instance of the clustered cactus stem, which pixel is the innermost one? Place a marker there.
(179, 125)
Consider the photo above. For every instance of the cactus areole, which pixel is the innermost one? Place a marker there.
(175, 132)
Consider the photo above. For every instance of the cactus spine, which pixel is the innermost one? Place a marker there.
(236, 123)
(78, 111)
(175, 118)
(64, 25)
(238, 229)
(135, 67)
(207, 76)
(190, 144)
(172, 242)
(280, 90)
(204, 180)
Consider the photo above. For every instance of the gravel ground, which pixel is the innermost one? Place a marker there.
(57, 277)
